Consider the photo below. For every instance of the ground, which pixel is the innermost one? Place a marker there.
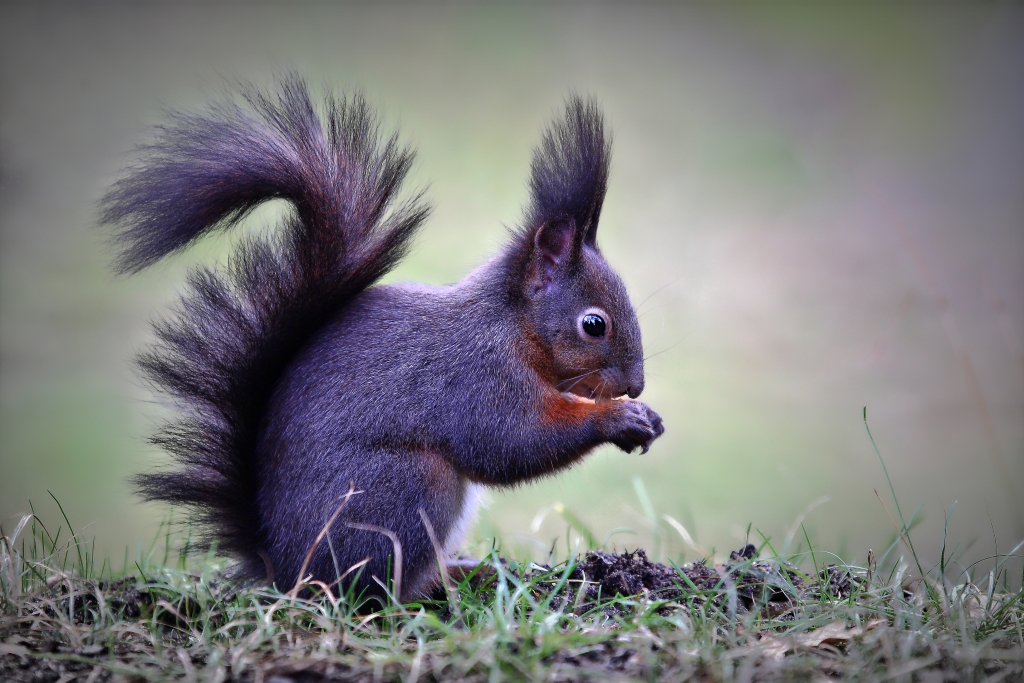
(603, 616)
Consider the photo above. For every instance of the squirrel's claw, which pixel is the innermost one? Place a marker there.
(640, 426)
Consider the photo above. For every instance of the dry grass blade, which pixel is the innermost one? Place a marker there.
(396, 583)
(442, 565)
(302, 578)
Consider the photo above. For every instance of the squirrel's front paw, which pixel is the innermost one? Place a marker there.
(635, 425)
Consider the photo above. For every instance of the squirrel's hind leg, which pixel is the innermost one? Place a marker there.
(400, 483)
(375, 526)
(450, 507)
(355, 548)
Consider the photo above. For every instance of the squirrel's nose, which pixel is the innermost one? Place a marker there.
(634, 382)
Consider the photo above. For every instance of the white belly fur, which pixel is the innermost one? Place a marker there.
(470, 507)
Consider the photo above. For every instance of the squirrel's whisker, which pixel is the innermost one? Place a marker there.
(580, 378)
(665, 286)
(577, 377)
(665, 350)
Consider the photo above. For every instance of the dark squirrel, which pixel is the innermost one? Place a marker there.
(298, 381)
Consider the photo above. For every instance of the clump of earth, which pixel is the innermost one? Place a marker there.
(739, 585)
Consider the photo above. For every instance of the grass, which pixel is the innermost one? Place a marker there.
(163, 619)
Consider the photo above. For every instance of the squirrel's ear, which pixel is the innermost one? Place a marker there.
(569, 173)
(553, 246)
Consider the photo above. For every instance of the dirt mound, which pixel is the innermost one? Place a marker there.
(628, 574)
(742, 584)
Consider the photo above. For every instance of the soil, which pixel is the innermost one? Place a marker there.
(738, 586)
(598, 581)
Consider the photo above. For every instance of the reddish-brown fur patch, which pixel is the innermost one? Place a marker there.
(569, 410)
(537, 356)
(438, 472)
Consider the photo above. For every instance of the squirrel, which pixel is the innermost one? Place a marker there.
(336, 430)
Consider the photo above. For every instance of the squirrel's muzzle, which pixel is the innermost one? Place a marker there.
(634, 381)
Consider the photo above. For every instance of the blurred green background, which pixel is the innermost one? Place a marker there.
(820, 206)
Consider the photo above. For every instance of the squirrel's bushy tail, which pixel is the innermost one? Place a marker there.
(221, 353)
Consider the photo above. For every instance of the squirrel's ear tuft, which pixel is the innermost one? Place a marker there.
(569, 173)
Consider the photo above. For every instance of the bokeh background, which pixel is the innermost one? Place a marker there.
(820, 207)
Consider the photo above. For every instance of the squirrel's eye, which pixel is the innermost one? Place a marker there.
(593, 325)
